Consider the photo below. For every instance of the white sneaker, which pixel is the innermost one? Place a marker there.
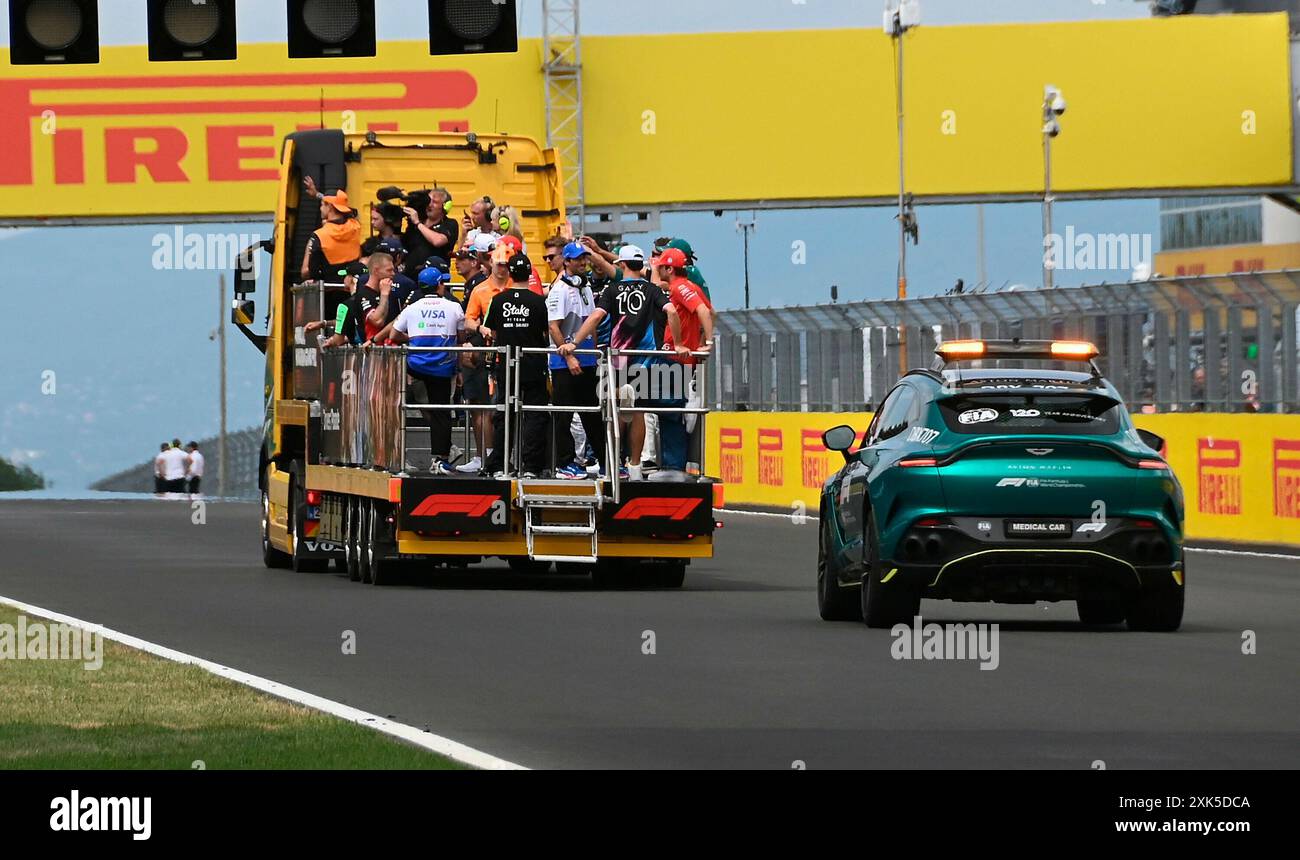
(475, 465)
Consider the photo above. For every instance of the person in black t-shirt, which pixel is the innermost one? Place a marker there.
(517, 317)
(431, 230)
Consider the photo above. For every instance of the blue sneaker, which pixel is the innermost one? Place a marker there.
(571, 472)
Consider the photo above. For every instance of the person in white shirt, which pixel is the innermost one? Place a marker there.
(159, 483)
(174, 463)
(194, 471)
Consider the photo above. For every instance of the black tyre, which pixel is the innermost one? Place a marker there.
(271, 556)
(1157, 610)
(1101, 611)
(363, 540)
(528, 566)
(610, 573)
(884, 604)
(352, 539)
(834, 601)
(297, 507)
(383, 570)
(669, 575)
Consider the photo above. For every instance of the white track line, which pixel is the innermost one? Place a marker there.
(435, 743)
(1242, 552)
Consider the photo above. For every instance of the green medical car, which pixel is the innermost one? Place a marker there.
(980, 481)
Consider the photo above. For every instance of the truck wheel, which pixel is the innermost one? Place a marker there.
(528, 566)
(834, 601)
(884, 604)
(271, 556)
(352, 543)
(383, 570)
(1157, 610)
(363, 540)
(1101, 611)
(297, 505)
(669, 575)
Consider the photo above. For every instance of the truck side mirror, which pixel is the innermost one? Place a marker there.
(242, 311)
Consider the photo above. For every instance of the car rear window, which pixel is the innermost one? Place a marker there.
(1031, 413)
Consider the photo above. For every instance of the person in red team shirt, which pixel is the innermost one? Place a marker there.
(696, 316)
(693, 308)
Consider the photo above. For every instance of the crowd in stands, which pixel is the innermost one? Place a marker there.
(425, 279)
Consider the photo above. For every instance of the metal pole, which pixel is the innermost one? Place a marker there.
(746, 267)
(221, 343)
(902, 191)
(979, 233)
(1047, 208)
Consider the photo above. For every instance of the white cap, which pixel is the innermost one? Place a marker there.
(483, 242)
(631, 252)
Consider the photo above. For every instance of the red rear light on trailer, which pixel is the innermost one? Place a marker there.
(313, 497)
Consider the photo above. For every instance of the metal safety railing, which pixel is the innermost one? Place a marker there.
(1225, 343)
(363, 402)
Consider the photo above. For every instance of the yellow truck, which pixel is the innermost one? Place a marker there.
(334, 476)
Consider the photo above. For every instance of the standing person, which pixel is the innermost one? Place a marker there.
(476, 366)
(159, 482)
(573, 377)
(194, 469)
(432, 322)
(386, 221)
(695, 334)
(478, 221)
(432, 231)
(373, 306)
(174, 461)
(517, 317)
(337, 241)
(631, 307)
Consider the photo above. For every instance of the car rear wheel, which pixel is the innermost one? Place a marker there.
(1101, 611)
(884, 603)
(834, 601)
(1157, 610)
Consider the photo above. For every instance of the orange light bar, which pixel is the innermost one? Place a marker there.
(1074, 349)
(961, 348)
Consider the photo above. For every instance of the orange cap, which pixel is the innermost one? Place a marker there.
(340, 202)
(501, 254)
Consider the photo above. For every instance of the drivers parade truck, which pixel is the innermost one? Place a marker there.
(339, 431)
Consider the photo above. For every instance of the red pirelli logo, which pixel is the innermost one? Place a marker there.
(159, 148)
(731, 448)
(657, 507)
(771, 465)
(464, 505)
(1218, 476)
(813, 454)
(1286, 478)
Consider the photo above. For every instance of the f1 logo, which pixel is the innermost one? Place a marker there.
(465, 505)
(672, 509)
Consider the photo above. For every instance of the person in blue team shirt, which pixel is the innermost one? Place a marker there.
(573, 377)
(428, 323)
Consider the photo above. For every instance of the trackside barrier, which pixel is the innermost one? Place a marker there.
(1240, 473)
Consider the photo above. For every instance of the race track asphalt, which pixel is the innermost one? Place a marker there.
(551, 673)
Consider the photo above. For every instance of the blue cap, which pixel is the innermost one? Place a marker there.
(390, 246)
(574, 250)
(438, 262)
(432, 276)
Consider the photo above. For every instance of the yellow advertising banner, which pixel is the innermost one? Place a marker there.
(1190, 101)
(1240, 473)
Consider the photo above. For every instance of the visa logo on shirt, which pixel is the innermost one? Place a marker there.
(434, 315)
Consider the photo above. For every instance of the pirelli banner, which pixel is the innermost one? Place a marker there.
(1192, 101)
(1240, 473)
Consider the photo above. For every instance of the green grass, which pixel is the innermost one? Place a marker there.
(142, 712)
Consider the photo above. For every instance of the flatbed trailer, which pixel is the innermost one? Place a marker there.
(335, 480)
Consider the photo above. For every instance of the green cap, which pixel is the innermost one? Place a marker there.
(683, 246)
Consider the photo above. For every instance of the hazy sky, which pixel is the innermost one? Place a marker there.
(129, 348)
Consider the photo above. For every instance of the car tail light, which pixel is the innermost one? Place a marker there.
(915, 462)
(313, 497)
(929, 522)
(1145, 524)
(1152, 464)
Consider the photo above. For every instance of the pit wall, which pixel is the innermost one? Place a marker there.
(1240, 473)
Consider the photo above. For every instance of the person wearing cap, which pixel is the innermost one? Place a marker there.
(337, 241)
(693, 273)
(694, 333)
(573, 377)
(518, 317)
(631, 307)
(474, 376)
(430, 323)
(430, 232)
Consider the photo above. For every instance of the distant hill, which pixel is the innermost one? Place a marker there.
(14, 478)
